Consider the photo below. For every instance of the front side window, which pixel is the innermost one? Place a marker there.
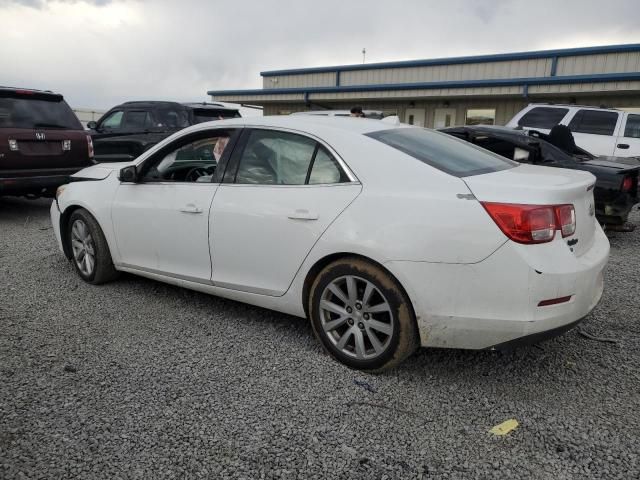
(444, 152)
(632, 129)
(480, 116)
(543, 117)
(595, 122)
(194, 162)
(275, 158)
(114, 120)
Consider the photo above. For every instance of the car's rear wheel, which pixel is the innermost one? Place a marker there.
(90, 252)
(362, 316)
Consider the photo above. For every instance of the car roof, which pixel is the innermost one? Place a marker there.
(156, 103)
(30, 91)
(565, 105)
(334, 112)
(306, 123)
(211, 106)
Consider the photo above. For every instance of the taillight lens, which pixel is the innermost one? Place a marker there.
(627, 184)
(90, 146)
(532, 223)
(566, 217)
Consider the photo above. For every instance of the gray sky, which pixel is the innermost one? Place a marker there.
(102, 52)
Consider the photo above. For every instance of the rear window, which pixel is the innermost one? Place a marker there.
(37, 113)
(444, 152)
(543, 117)
(594, 122)
(208, 114)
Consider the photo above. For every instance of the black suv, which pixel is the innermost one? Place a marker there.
(127, 130)
(41, 142)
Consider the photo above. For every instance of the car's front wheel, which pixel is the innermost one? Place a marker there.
(90, 252)
(362, 316)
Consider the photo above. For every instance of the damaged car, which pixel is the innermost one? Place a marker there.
(616, 187)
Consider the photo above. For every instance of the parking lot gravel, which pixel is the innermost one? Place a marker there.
(137, 379)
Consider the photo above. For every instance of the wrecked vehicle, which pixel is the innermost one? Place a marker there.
(616, 188)
(128, 130)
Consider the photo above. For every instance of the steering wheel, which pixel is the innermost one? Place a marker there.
(195, 173)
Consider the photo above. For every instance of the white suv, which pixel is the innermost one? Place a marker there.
(600, 131)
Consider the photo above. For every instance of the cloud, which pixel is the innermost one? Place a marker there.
(100, 53)
(43, 3)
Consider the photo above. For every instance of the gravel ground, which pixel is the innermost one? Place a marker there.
(136, 379)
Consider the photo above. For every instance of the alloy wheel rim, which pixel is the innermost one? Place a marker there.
(83, 247)
(356, 317)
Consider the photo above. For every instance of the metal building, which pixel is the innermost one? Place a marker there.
(455, 91)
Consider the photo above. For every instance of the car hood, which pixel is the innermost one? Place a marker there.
(101, 171)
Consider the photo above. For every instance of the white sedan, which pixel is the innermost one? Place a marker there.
(387, 237)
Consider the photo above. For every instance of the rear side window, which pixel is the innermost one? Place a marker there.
(632, 130)
(137, 119)
(594, 122)
(37, 113)
(444, 152)
(275, 158)
(543, 117)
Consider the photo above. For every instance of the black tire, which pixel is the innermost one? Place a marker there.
(402, 341)
(103, 270)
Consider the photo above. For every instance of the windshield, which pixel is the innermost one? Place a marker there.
(208, 114)
(444, 152)
(37, 113)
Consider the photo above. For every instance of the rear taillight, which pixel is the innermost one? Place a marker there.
(566, 218)
(627, 184)
(90, 146)
(532, 223)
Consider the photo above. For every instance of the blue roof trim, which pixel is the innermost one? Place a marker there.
(500, 57)
(506, 82)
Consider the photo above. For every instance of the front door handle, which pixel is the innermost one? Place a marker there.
(190, 208)
(301, 214)
(623, 146)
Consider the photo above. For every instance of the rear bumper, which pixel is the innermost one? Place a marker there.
(41, 184)
(496, 301)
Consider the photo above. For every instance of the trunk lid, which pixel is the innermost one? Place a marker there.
(536, 185)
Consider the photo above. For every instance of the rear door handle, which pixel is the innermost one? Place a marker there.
(190, 208)
(623, 146)
(303, 215)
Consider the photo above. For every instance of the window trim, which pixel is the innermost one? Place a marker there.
(234, 162)
(234, 134)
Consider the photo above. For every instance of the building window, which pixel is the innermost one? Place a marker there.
(480, 116)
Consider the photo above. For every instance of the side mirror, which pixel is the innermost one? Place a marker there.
(128, 174)
(92, 125)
